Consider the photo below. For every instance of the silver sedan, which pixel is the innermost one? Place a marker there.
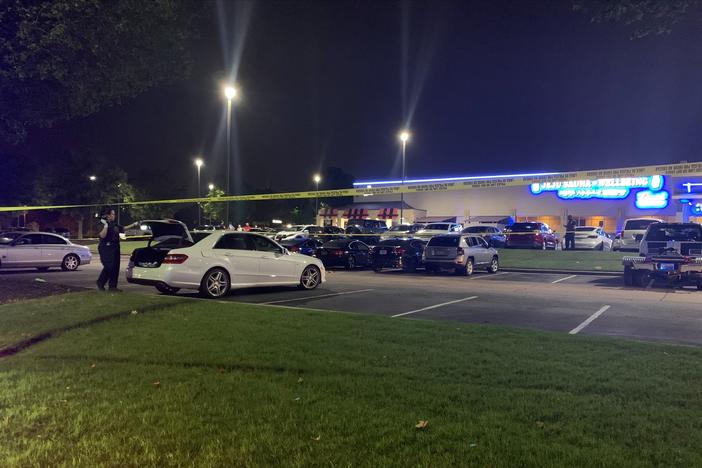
(41, 250)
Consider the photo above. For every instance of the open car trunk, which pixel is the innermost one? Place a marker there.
(167, 234)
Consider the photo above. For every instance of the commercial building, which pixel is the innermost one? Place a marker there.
(605, 202)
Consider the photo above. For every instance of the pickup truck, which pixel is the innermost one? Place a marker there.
(668, 251)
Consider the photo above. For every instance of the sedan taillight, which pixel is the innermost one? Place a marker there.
(176, 259)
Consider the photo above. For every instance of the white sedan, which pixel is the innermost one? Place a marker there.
(591, 237)
(41, 250)
(219, 262)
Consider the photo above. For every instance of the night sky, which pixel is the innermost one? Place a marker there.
(487, 88)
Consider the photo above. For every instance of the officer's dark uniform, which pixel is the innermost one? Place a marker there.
(109, 257)
(570, 234)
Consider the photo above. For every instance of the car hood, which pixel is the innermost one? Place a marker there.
(167, 227)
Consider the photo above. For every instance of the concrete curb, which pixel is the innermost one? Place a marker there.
(562, 272)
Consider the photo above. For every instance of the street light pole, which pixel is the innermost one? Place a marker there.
(230, 93)
(404, 137)
(199, 163)
(317, 179)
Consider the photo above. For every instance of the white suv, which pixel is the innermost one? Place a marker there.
(633, 232)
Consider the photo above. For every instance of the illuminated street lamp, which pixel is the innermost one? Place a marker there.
(92, 178)
(317, 179)
(199, 163)
(230, 92)
(404, 137)
(211, 186)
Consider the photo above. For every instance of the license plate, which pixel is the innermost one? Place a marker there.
(438, 253)
(666, 266)
(383, 252)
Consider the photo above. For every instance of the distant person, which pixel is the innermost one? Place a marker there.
(570, 233)
(247, 228)
(108, 248)
(239, 228)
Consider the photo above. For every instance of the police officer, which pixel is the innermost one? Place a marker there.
(109, 250)
(570, 233)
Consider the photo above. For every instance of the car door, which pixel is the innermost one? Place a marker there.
(475, 249)
(363, 254)
(25, 251)
(275, 265)
(53, 249)
(485, 252)
(240, 257)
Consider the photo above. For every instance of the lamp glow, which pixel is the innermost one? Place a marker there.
(230, 92)
(317, 178)
(92, 178)
(211, 186)
(199, 163)
(404, 136)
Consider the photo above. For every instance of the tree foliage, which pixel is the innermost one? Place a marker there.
(214, 210)
(645, 17)
(66, 58)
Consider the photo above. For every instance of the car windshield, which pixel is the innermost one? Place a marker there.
(639, 224)
(675, 232)
(402, 228)
(7, 237)
(437, 227)
(445, 241)
(198, 236)
(525, 227)
(477, 229)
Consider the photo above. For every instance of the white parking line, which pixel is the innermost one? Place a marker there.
(435, 306)
(315, 297)
(563, 279)
(589, 320)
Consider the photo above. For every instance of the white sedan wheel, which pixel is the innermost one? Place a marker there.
(70, 262)
(215, 284)
(311, 277)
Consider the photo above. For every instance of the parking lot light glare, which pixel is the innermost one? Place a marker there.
(211, 186)
(199, 163)
(92, 178)
(230, 92)
(404, 136)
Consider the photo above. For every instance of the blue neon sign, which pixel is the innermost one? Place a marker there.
(651, 197)
(648, 200)
(615, 188)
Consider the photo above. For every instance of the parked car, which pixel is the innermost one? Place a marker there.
(492, 234)
(329, 233)
(402, 231)
(460, 253)
(61, 231)
(138, 229)
(298, 231)
(204, 227)
(302, 246)
(219, 262)
(41, 250)
(633, 232)
(668, 251)
(592, 237)
(530, 235)
(349, 253)
(370, 230)
(398, 253)
(436, 229)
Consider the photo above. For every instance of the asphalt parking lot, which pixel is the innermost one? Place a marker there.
(566, 303)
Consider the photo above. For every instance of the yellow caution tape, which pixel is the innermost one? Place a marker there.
(677, 170)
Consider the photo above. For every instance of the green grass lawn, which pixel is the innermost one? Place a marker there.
(562, 259)
(213, 384)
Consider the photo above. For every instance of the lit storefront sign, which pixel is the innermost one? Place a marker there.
(650, 197)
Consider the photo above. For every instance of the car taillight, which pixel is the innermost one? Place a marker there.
(176, 259)
(400, 251)
(293, 248)
(460, 251)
